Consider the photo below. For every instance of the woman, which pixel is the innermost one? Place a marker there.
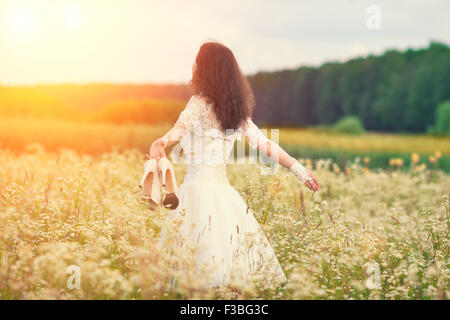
(215, 219)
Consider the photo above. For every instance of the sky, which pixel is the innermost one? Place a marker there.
(155, 41)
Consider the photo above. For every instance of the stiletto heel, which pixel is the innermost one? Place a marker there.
(169, 183)
(150, 183)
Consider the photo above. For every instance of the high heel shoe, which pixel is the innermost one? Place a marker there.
(151, 183)
(170, 199)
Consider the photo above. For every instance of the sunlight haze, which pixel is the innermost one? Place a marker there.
(135, 41)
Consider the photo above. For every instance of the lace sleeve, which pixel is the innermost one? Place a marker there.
(254, 136)
(188, 115)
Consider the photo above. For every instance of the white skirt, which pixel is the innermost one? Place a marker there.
(216, 221)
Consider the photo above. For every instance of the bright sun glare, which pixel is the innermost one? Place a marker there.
(21, 19)
(25, 19)
(73, 17)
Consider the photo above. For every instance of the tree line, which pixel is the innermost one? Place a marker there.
(395, 91)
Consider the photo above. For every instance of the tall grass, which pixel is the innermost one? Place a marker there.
(63, 209)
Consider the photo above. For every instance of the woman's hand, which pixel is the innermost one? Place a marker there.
(312, 184)
(157, 149)
(303, 174)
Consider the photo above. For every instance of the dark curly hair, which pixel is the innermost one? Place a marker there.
(217, 77)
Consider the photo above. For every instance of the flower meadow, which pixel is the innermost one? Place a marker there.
(73, 226)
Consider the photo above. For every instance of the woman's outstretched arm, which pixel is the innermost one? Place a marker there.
(272, 150)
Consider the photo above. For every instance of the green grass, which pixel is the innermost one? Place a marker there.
(377, 159)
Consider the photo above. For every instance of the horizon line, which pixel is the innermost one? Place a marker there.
(262, 71)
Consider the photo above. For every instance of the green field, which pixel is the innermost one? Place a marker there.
(378, 147)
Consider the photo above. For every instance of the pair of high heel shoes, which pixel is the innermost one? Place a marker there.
(158, 184)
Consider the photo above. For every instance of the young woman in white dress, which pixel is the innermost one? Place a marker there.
(215, 218)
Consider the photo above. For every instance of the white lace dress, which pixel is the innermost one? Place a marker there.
(215, 219)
